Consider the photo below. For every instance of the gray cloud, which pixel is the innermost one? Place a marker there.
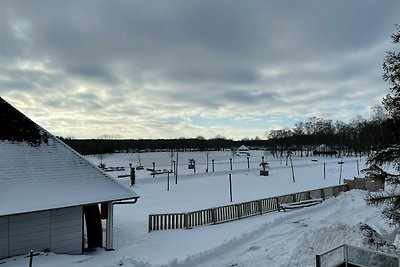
(149, 60)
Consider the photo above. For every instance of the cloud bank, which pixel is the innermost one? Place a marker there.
(169, 69)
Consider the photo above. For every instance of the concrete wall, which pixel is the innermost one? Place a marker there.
(60, 231)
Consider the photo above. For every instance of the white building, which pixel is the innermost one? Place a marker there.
(243, 151)
(48, 191)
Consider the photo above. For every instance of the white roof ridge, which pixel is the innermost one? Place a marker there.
(114, 180)
(47, 174)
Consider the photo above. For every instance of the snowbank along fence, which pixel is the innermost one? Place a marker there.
(238, 211)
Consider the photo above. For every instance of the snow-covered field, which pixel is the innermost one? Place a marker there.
(275, 239)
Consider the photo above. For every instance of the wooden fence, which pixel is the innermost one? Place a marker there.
(369, 184)
(238, 211)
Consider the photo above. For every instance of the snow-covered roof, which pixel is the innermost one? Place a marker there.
(243, 148)
(47, 174)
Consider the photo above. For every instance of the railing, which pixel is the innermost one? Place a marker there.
(238, 211)
(347, 255)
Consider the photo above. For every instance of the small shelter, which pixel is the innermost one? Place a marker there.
(243, 150)
(50, 194)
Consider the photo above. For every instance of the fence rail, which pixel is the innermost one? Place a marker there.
(237, 211)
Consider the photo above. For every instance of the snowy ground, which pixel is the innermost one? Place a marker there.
(276, 239)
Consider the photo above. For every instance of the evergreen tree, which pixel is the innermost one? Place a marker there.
(391, 155)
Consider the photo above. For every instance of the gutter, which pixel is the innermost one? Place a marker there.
(110, 221)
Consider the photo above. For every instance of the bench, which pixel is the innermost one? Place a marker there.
(300, 204)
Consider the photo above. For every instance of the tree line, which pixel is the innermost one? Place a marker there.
(105, 146)
(359, 136)
(314, 136)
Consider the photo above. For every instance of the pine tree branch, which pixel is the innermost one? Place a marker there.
(387, 155)
(381, 198)
(376, 172)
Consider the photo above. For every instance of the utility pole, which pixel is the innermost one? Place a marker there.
(291, 163)
(176, 171)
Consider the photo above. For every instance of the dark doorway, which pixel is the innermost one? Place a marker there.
(93, 226)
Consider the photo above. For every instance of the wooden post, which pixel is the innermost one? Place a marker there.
(291, 163)
(230, 186)
(318, 260)
(248, 163)
(324, 171)
(168, 181)
(154, 169)
(260, 206)
(277, 203)
(150, 223)
(186, 221)
(30, 258)
(207, 162)
(231, 162)
(212, 164)
(214, 216)
(358, 168)
(176, 170)
(340, 173)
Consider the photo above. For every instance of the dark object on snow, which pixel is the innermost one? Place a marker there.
(264, 168)
(132, 174)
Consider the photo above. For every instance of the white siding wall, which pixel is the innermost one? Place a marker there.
(58, 230)
(29, 231)
(67, 230)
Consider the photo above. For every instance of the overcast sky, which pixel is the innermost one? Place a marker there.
(170, 69)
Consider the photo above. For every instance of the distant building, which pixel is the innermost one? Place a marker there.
(48, 191)
(324, 150)
(243, 151)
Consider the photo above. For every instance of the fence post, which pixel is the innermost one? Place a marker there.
(185, 221)
(239, 211)
(322, 193)
(214, 216)
(260, 206)
(317, 260)
(30, 258)
(277, 203)
(150, 224)
(230, 186)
